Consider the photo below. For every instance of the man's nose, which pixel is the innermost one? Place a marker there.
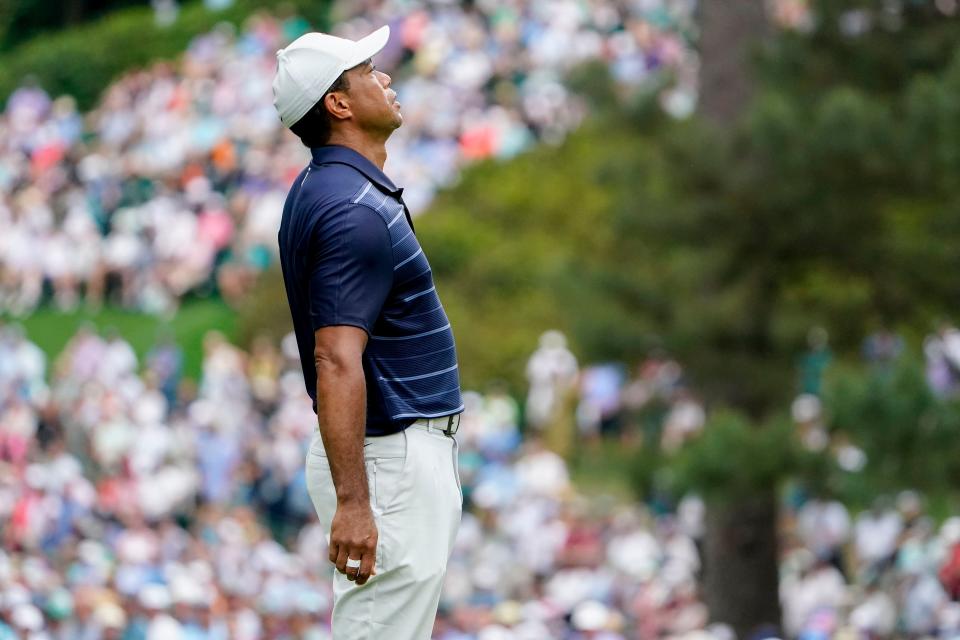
(385, 80)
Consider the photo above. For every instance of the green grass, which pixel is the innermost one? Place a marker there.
(51, 329)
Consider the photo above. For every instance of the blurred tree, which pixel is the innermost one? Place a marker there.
(878, 46)
(799, 220)
(740, 547)
(25, 19)
(730, 30)
(908, 435)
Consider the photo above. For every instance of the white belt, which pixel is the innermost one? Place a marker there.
(447, 425)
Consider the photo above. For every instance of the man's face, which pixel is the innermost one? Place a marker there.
(372, 102)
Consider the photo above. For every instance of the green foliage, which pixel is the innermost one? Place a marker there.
(542, 242)
(604, 468)
(82, 61)
(881, 61)
(932, 132)
(733, 458)
(21, 20)
(911, 437)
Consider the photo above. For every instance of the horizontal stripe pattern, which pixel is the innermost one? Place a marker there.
(422, 376)
(406, 260)
(439, 414)
(411, 350)
(412, 336)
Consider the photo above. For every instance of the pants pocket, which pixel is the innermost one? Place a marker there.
(391, 476)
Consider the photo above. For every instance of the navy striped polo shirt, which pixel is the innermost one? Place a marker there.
(350, 257)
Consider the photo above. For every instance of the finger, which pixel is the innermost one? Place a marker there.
(354, 557)
(352, 573)
(367, 566)
(333, 550)
(342, 559)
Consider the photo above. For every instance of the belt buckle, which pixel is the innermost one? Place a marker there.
(453, 423)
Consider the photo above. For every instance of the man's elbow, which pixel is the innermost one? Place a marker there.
(334, 362)
(338, 350)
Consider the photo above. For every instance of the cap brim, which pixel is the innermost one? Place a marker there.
(370, 46)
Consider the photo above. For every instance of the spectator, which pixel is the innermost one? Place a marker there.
(824, 527)
(942, 351)
(876, 534)
(882, 348)
(551, 371)
(815, 362)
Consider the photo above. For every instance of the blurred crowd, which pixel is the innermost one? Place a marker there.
(654, 407)
(136, 504)
(175, 182)
(887, 572)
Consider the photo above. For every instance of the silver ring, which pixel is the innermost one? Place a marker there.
(353, 564)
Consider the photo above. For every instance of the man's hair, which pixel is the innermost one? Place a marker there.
(315, 127)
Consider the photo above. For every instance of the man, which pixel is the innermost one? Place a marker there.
(375, 344)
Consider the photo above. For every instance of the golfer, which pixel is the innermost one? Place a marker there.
(375, 345)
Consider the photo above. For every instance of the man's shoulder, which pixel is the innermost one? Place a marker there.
(322, 192)
(335, 183)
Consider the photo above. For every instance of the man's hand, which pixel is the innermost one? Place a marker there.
(353, 534)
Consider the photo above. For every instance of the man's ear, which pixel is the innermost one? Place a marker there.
(338, 105)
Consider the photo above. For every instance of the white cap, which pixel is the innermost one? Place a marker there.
(312, 63)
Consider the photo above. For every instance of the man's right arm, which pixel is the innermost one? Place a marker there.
(341, 412)
(351, 274)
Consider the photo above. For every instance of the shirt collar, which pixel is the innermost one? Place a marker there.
(333, 153)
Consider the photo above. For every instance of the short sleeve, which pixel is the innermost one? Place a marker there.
(351, 270)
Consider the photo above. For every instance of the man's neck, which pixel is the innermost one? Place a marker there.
(373, 150)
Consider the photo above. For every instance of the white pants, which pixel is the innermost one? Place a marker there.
(416, 500)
